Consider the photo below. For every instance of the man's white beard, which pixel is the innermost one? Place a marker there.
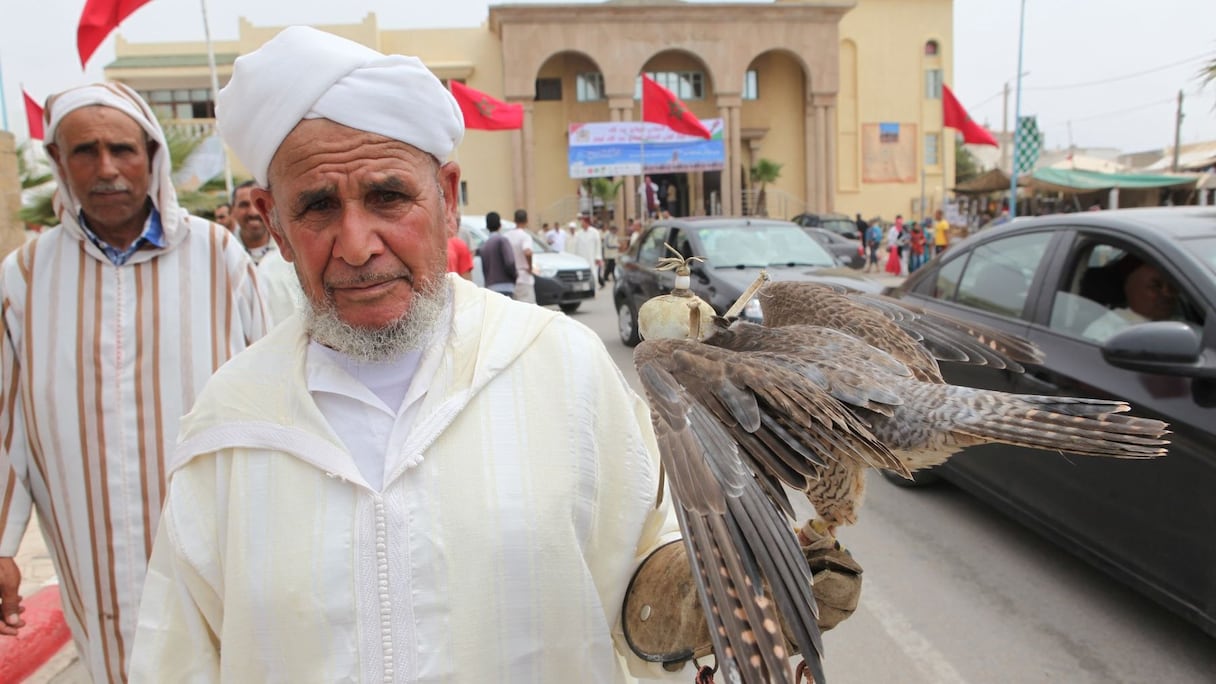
(408, 332)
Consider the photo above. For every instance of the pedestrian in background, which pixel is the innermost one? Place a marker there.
(113, 320)
(916, 248)
(587, 243)
(521, 246)
(941, 233)
(873, 242)
(497, 258)
(612, 249)
(460, 259)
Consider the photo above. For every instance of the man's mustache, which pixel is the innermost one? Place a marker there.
(106, 187)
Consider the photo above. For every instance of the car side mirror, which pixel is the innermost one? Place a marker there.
(1162, 347)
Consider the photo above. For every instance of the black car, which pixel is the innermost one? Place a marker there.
(846, 250)
(734, 250)
(1063, 282)
(837, 223)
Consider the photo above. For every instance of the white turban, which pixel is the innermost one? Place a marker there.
(127, 101)
(303, 73)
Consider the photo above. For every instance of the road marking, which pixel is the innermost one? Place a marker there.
(929, 661)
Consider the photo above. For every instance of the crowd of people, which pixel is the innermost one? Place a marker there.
(901, 247)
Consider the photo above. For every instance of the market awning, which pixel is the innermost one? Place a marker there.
(991, 181)
(1076, 180)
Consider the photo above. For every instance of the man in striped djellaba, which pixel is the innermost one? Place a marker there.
(112, 322)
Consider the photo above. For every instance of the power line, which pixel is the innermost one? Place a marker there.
(1124, 77)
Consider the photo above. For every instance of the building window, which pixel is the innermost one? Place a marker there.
(548, 89)
(751, 85)
(933, 84)
(181, 103)
(931, 48)
(464, 193)
(590, 86)
(932, 155)
(687, 85)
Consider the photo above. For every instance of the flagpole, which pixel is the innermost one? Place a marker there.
(215, 96)
(3, 100)
(1017, 120)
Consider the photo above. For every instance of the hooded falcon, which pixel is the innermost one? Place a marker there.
(833, 383)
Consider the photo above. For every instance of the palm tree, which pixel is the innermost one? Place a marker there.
(36, 177)
(764, 172)
(605, 190)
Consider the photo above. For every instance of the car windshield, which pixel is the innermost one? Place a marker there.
(840, 226)
(1205, 249)
(761, 246)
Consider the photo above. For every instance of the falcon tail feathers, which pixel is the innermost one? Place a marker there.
(1087, 427)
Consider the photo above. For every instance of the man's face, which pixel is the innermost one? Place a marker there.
(103, 156)
(223, 216)
(248, 220)
(1149, 293)
(365, 219)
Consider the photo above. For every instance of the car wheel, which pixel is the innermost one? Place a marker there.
(569, 307)
(920, 478)
(627, 323)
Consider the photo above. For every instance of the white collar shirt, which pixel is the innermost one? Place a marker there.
(371, 406)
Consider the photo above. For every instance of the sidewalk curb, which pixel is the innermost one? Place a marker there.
(45, 632)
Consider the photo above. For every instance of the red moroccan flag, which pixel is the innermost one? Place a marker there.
(661, 106)
(485, 113)
(98, 19)
(33, 117)
(954, 116)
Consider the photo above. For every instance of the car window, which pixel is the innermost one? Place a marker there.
(1205, 249)
(762, 246)
(679, 240)
(1110, 286)
(652, 249)
(998, 274)
(942, 285)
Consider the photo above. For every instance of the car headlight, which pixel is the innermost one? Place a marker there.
(546, 272)
(752, 309)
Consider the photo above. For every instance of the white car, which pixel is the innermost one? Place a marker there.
(562, 278)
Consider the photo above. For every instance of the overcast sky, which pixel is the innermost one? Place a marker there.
(1111, 68)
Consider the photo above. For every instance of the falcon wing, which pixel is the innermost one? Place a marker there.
(917, 337)
(749, 568)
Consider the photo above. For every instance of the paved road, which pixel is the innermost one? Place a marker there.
(956, 593)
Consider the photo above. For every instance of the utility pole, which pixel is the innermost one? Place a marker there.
(1177, 131)
(1005, 128)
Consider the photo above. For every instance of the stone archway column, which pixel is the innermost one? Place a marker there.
(821, 170)
(729, 108)
(810, 141)
(620, 108)
(525, 188)
(828, 104)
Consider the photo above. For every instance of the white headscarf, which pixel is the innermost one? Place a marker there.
(127, 101)
(303, 73)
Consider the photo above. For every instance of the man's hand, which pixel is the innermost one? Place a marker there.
(10, 600)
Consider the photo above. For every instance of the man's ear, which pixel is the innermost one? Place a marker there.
(449, 182)
(263, 203)
(52, 149)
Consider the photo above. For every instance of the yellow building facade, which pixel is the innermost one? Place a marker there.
(843, 94)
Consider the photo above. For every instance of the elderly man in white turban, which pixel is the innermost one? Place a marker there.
(113, 322)
(378, 491)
